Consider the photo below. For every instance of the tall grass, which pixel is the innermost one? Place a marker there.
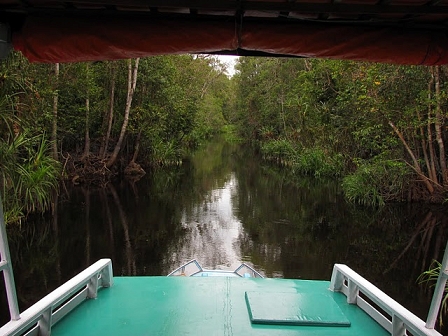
(165, 153)
(28, 176)
(375, 182)
(360, 188)
(303, 161)
(317, 162)
(280, 151)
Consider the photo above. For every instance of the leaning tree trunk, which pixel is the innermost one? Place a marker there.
(132, 82)
(424, 145)
(54, 130)
(212, 75)
(416, 165)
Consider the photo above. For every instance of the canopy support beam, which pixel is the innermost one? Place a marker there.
(6, 267)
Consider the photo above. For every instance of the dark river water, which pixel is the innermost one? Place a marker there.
(224, 206)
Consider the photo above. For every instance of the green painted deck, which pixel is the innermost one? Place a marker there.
(213, 306)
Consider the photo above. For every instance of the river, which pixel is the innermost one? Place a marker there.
(224, 206)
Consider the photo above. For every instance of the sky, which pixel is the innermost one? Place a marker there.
(230, 61)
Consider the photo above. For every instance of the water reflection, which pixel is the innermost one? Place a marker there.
(212, 230)
(131, 268)
(223, 207)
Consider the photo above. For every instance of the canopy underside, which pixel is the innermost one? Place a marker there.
(395, 31)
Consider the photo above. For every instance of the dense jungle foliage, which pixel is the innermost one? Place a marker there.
(380, 128)
(87, 122)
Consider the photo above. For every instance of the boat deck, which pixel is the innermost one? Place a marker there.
(217, 306)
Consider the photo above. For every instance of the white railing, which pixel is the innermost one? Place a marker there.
(193, 268)
(39, 318)
(399, 319)
(181, 270)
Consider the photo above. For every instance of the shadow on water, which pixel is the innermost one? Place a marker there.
(224, 206)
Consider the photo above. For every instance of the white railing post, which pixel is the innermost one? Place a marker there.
(92, 287)
(398, 327)
(337, 280)
(107, 276)
(353, 291)
(6, 267)
(438, 292)
(45, 322)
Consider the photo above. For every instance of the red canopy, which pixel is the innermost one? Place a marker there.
(403, 31)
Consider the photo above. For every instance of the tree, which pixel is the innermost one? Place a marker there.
(438, 125)
(132, 82)
(54, 132)
(108, 117)
(380, 119)
(86, 153)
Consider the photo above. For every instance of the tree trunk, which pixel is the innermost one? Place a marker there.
(212, 75)
(438, 127)
(86, 153)
(432, 166)
(416, 165)
(425, 149)
(110, 115)
(54, 130)
(87, 135)
(132, 82)
(136, 147)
